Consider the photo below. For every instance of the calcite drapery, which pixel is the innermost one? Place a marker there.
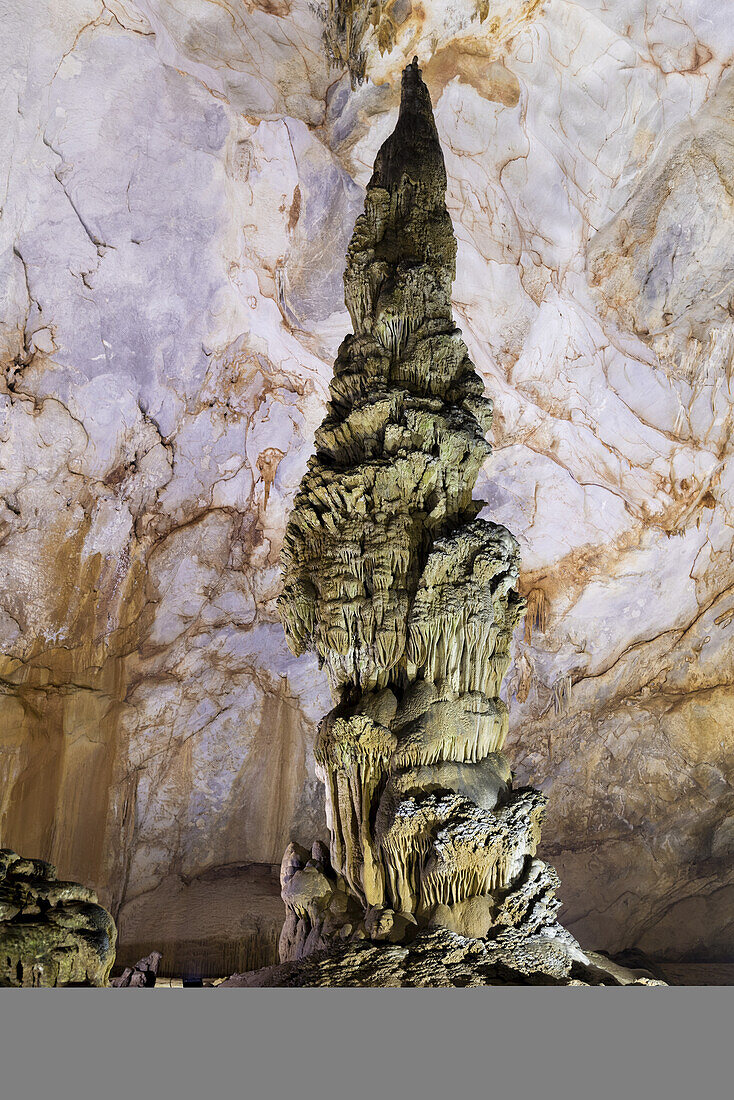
(407, 597)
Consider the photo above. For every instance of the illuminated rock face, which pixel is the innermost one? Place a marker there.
(51, 932)
(405, 595)
(180, 183)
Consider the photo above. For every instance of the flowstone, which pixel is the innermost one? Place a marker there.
(410, 601)
(51, 932)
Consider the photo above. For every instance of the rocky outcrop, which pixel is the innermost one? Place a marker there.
(410, 601)
(51, 932)
(443, 959)
(141, 976)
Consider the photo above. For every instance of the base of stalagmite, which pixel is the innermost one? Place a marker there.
(438, 958)
(509, 935)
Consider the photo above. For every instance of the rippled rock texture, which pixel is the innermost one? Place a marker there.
(442, 959)
(51, 932)
(180, 183)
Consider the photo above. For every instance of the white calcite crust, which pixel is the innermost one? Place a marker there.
(180, 182)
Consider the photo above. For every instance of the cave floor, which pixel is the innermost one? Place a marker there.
(676, 974)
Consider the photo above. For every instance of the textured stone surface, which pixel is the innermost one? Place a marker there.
(441, 959)
(225, 919)
(51, 932)
(140, 976)
(180, 181)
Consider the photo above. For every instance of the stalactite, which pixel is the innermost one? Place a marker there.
(537, 613)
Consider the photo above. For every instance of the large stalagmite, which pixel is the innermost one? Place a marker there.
(410, 601)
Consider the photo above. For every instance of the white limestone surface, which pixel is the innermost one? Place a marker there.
(179, 182)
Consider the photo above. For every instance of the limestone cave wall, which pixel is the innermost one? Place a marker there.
(180, 179)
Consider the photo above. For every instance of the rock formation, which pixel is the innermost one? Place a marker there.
(51, 932)
(141, 976)
(439, 958)
(410, 601)
(154, 729)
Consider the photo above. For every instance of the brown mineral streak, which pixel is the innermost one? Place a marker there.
(64, 702)
(476, 64)
(268, 784)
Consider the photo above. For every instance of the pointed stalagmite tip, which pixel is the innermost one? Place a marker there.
(413, 147)
(412, 73)
(413, 76)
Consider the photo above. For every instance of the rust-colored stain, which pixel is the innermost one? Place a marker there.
(475, 66)
(295, 210)
(267, 463)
